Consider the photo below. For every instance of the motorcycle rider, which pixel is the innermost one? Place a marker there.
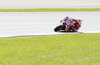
(71, 22)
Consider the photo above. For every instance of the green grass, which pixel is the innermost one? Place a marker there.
(50, 10)
(72, 49)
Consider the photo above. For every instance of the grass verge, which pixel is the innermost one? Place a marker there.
(73, 49)
(50, 10)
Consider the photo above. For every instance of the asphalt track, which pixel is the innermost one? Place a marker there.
(43, 23)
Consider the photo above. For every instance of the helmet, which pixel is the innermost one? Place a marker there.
(67, 17)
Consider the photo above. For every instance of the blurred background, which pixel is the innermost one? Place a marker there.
(27, 4)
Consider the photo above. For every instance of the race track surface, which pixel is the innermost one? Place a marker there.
(43, 23)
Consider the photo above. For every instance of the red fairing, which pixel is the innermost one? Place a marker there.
(77, 27)
(70, 24)
(74, 20)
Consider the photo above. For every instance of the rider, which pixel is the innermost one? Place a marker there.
(71, 22)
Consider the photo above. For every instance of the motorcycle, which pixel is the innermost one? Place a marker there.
(73, 27)
(62, 27)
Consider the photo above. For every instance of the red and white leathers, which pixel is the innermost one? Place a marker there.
(68, 22)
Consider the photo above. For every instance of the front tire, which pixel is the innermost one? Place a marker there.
(58, 28)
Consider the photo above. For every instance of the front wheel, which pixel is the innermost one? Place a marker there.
(58, 28)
